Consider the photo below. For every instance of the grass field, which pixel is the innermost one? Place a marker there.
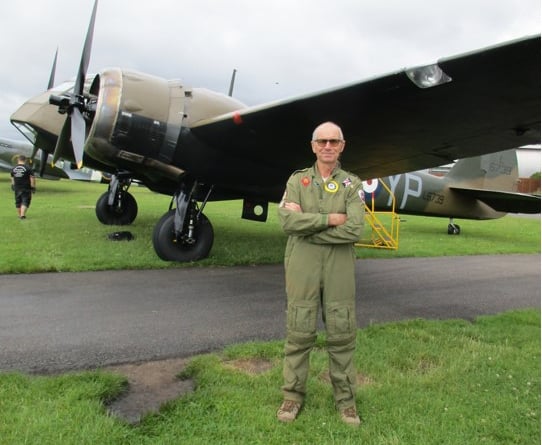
(62, 233)
(421, 382)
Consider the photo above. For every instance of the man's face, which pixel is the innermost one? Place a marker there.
(328, 144)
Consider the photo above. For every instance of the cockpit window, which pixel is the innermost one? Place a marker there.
(27, 131)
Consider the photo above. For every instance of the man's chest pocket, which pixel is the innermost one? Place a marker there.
(333, 202)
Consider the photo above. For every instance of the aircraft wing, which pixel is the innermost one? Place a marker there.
(4, 166)
(489, 101)
(11, 148)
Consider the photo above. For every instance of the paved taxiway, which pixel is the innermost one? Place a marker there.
(62, 321)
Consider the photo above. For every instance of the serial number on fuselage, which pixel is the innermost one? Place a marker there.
(436, 198)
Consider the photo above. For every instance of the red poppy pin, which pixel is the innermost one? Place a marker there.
(305, 181)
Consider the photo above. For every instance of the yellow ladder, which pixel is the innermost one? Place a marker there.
(384, 225)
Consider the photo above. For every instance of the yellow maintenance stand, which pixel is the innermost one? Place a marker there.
(383, 225)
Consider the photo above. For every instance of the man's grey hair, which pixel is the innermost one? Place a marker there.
(325, 123)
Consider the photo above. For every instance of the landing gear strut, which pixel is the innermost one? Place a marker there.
(184, 233)
(117, 206)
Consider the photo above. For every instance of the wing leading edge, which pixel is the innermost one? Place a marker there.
(492, 103)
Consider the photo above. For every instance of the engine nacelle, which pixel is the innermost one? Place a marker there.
(137, 119)
(136, 116)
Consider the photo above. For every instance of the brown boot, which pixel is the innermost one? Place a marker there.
(288, 411)
(350, 416)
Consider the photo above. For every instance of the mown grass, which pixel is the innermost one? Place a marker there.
(421, 382)
(62, 233)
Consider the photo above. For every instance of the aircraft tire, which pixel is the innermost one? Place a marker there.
(454, 229)
(168, 248)
(114, 216)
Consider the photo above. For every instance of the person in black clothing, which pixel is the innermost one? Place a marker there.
(23, 183)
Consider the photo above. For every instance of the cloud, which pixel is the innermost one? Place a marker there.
(280, 48)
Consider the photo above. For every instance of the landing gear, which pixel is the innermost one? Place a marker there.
(184, 233)
(453, 229)
(192, 244)
(117, 206)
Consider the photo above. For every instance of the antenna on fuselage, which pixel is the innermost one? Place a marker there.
(230, 92)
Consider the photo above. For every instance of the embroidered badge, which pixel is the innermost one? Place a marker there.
(331, 187)
(305, 181)
(347, 182)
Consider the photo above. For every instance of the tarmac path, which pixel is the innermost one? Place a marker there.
(65, 321)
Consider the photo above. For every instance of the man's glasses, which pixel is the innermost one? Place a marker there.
(332, 142)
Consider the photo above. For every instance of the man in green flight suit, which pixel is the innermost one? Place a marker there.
(322, 211)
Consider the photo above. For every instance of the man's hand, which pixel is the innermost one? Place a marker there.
(336, 219)
(292, 206)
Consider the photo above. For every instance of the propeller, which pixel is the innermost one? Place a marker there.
(74, 104)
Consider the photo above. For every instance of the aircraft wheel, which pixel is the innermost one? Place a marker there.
(172, 248)
(115, 215)
(454, 229)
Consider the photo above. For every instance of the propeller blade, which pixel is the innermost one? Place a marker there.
(63, 143)
(85, 57)
(51, 83)
(71, 140)
(78, 133)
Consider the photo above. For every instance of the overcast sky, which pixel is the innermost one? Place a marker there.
(280, 48)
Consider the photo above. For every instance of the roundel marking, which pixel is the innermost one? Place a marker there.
(331, 187)
(370, 185)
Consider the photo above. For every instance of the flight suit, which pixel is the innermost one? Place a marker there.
(319, 262)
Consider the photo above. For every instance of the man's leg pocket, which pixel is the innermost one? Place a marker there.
(341, 320)
(302, 318)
